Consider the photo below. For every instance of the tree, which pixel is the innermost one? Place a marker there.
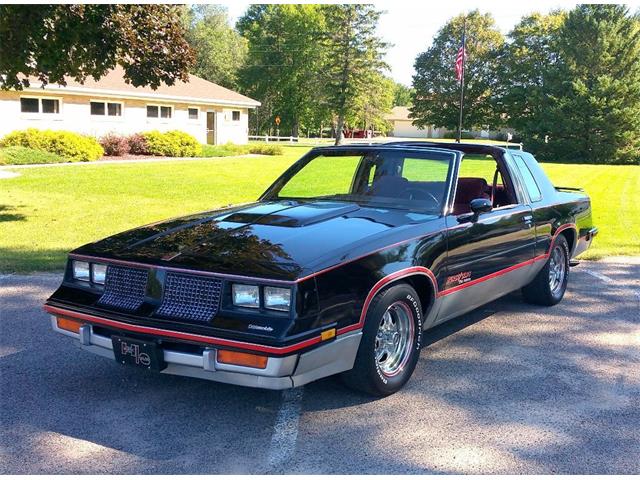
(371, 105)
(596, 95)
(284, 63)
(437, 92)
(220, 51)
(50, 42)
(354, 54)
(402, 95)
(530, 63)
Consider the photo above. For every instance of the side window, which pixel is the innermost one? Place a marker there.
(529, 181)
(478, 166)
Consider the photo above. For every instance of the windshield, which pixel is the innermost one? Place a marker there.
(408, 179)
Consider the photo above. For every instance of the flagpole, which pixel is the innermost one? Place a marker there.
(464, 55)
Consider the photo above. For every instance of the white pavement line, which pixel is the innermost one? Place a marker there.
(607, 279)
(285, 430)
(600, 276)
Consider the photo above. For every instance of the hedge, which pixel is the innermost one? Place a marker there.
(72, 146)
(17, 155)
(173, 143)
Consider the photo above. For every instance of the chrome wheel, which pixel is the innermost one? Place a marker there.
(394, 339)
(557, 270)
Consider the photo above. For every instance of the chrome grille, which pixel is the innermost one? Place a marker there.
(124, 287)
(188, 297)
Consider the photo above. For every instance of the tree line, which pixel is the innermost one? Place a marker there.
(568, 83)
(315, 67)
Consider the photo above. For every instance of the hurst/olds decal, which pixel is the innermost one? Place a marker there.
(458, 279)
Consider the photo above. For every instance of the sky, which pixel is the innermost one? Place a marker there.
(410, 26)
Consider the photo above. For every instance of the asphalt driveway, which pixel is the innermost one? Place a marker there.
(509, 388)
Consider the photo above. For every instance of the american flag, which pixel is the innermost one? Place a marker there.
(460, 58)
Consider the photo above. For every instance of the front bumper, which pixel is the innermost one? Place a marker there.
(280, 373)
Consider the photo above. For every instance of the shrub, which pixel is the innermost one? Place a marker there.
(227, 150)
(137, 144)
(230, 149)
(263, 149)
(17, 155)
(115, 145)
(172, 144)
(72, 146)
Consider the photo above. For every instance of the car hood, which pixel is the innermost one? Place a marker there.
(282, 239)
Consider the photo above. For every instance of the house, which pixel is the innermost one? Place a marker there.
(402, 126)
(211, 113)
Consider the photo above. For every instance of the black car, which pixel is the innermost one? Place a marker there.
(338, 268)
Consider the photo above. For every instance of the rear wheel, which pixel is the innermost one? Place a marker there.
(548, 287)
(390, 345)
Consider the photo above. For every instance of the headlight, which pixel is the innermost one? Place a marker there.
(81, 271)
(277, 298)
(246, 295)
(99, 273)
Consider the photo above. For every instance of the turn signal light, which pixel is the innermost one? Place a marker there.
(242, 359)
(69, 325)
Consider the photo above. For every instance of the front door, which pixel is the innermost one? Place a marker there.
(211, 128)
(492, 254)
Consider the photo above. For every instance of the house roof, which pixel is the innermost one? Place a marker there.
(195, 90)
(399, 113)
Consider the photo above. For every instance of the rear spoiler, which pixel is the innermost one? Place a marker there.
(570, 189)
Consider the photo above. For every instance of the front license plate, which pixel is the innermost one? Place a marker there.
(139, 353)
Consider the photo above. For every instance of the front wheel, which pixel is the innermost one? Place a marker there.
(391, 341)
(548, 287)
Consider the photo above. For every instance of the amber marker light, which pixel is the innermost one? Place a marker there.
(327, 334)
(242, 359)
(68, 325)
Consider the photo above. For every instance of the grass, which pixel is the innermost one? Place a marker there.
(45, 212)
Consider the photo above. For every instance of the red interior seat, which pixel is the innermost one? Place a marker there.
(469, 188)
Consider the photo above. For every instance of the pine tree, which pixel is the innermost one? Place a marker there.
(596, 96)
(354, 55)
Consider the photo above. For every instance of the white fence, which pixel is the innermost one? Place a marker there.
(273, 138)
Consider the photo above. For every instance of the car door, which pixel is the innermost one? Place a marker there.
(491, 254)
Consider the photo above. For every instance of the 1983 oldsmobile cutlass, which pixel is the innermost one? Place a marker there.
(338, 268)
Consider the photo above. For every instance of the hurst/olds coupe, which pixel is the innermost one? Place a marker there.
(338, 268)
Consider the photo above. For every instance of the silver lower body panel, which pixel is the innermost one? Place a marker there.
(280, 373)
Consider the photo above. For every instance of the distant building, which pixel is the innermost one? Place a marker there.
(211, 113)
(402, 126)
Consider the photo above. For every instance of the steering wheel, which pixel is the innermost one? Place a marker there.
(419, 194)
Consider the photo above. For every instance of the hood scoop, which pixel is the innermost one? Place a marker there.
(298, 216)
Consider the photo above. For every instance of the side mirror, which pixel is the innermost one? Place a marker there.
(481, 205)
(478, 206)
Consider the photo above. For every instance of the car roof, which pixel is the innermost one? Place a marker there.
(472, 148)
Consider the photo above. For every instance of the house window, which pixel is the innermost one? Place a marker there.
(50, 106)
(39, 105)
(193, 113)
(111, 109)
(235, 115)
(159, 111)
(152, 111)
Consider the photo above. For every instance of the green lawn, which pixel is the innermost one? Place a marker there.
(47, 211)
